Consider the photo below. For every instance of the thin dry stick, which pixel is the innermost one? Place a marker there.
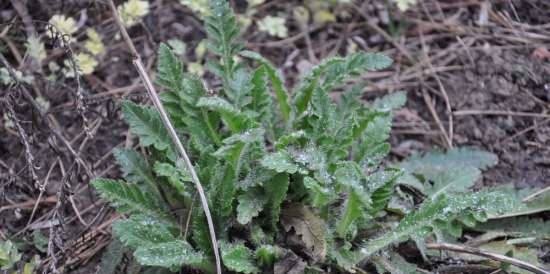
(536, 194)
(428, 101)
(443, 92)
(486, 254)
(154, 97)
(500, 112)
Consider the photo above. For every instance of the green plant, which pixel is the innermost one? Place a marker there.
(9, 255)
(293, 163)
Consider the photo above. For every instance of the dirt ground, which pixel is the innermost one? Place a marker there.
(477, 73)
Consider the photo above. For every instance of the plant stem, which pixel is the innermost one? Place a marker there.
(166, 121)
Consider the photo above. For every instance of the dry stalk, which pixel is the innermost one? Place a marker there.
(493, 256)
(136, 60)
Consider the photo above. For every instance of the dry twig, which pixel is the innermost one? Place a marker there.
(487, 254)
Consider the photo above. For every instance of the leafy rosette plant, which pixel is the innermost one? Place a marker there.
(276, 163)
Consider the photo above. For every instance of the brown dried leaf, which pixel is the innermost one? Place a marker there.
(308, 226)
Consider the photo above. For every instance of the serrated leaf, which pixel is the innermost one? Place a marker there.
(519, 208)
(237, 146)
(9, 255)
(129, 198)
(391, 101)
(140, 230)
(237, 257)
(135, 168)
(335, 70)
(453, 180)
(171, 255)
(233, 118)
(276, 81)
(346, 258)
(145, 122)
(266, 255)
(262, 102)
(277, 189)
(250, 205)
(321, 196)
(175, 175)
(281, 161)
(353, 209)
(169, 69)
(438, 213)
(221, 26)
(222, 193)
(308, 226)
(382, 185)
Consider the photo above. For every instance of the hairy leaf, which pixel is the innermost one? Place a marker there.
(277, 82)
(140, 230)
(277, 189)
(145, 122)
(237, 257)
(250, 205)
(281, 161)
(129, 198)
(135, 168)
(171, 255)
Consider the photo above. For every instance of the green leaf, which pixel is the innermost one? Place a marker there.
(392, 101)
(145, 122)
(169, 70)
(40, 241)
(453, 171)
(237, 257)
(142, 230)
(222, 193)
(171, 255)
(233, 118)
(175, 175)
(335, 70)
(276, 81)
(453, 180)
(321, 196)
(518, 208)
(135, 168)
(9, 256)
(277, 189)
(237, 147)
(266, 255)
(353, 209)
(281, 161)
(262, 102)
(346, 258)
(222, 30)
(438, 213)
(382, 184)
(180, 104)
(250, 205)
(129, 198)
